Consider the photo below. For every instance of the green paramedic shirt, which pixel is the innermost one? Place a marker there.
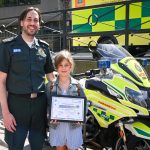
(25, 67)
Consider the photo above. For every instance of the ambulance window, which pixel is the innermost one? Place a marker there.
(80, 1)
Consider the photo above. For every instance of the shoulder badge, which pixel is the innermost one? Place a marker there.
(11, 39)
(41, 52)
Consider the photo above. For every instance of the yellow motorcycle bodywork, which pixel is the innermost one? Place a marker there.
(139, 129)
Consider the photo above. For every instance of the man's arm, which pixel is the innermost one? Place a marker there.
(9, 120)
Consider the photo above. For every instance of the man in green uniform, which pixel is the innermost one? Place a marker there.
(24, 61)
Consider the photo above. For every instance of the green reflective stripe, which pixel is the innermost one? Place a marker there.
(82, 28)
(120, 24)
(142, 132)
(104, 115)
(103, 11)
(112, 117)
(123, 95)
(135, 23)
(145, 9)
(95, 109)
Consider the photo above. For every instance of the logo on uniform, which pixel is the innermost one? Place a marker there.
(16, 50)
(41, 52)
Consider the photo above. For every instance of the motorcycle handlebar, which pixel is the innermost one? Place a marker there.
(89, 73)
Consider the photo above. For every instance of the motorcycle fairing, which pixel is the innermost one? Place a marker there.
(97, 85)
(139, 129)
(135, 68)
(118, 84)
(105, 109)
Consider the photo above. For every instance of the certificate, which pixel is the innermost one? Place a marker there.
(68, 108)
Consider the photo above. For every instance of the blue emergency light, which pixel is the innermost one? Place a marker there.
(103, 64)
(144, 62)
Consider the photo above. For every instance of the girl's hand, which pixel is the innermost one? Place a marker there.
(78, 123)
(55, 122)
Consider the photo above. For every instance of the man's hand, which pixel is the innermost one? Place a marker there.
(8, 118)
(9, 122)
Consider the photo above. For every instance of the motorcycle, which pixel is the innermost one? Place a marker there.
(118, 94)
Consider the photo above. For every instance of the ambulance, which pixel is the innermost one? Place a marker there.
(112, 21)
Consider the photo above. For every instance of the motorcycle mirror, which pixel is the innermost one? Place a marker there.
(96, 71)
(88, 73)
(92, 46)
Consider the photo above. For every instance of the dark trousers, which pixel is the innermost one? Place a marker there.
(16, 140)
(30, 115)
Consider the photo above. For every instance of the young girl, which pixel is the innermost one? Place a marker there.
(65, 135)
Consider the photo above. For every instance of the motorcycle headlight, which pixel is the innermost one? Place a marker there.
(135, 97)
(145, 94)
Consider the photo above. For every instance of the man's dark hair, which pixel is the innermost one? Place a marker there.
(25, 12)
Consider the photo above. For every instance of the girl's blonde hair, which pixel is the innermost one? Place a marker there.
(60, 56)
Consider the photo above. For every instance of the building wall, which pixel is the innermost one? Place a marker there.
(45, 6)
(9, 26)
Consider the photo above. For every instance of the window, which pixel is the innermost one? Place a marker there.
(29, 2)
(9, 2)
(4, 3)
(79, 3)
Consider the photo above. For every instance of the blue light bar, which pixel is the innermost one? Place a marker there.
(103, 64)
(144, 62)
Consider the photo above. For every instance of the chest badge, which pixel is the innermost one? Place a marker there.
(41, 52)
(16, 50)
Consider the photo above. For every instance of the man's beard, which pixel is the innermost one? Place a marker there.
(30, 33)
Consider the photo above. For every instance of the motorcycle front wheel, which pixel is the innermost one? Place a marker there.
(132, 143)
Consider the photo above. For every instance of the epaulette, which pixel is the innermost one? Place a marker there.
(43, 42)
(11, 39)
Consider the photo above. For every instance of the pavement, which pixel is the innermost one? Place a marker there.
(3, 145)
